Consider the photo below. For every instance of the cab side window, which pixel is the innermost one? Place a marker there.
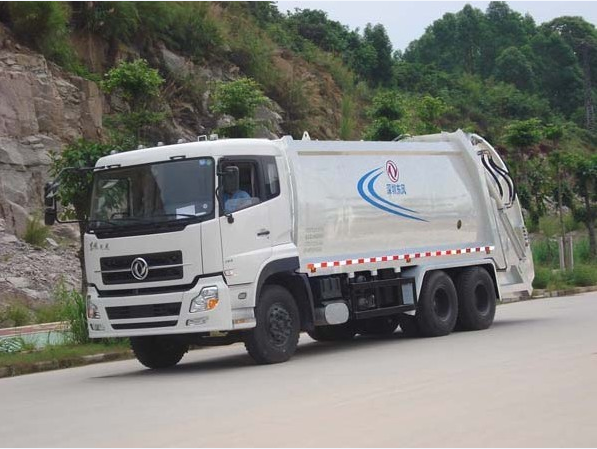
(257, 182)
(272, 181)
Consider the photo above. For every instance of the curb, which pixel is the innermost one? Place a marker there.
(566, 292)
(540, 294)
(50, 365)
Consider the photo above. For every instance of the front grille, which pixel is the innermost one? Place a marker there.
(144, 325)
(162, 267)
(143, 311)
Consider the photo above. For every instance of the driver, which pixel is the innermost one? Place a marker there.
(233, 195)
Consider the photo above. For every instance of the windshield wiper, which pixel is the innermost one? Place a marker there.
(111, 223)
(179, 215)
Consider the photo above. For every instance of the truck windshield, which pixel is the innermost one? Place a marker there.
(153, 193)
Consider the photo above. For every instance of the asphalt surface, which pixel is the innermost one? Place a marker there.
(530, 380)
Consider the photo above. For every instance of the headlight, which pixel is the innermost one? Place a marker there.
(206, 300)
(92, 309)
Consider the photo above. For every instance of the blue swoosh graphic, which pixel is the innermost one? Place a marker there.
(375, 195)
(377, 201)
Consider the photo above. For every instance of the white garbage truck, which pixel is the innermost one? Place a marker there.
(250, 240)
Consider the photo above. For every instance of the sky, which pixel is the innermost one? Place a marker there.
(406, 21)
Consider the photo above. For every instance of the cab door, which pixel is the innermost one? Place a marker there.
(245, 229)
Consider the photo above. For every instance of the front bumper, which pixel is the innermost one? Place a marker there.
(221, 318)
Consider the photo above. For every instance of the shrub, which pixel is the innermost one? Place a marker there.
(74, 311)
(139, 85)
(135, 81)
(584, 275)
(16, 315)
(542, 277)
(238, 98)
(44, 25)
(193, 30)
(49, 313)
(36, 233)
(582, 251)
(546, 253)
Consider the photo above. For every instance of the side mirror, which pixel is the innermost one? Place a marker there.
(50, 203)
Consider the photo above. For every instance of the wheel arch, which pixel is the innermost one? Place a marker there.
(283, 272)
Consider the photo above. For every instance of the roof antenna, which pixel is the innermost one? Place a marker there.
(306, 136)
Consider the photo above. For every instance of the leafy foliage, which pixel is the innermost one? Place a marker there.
(139, 86)
(386, 113)
(75, 186)
(240, 99)
(74, 311)
(44, 25)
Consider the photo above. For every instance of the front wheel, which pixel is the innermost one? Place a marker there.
(158, 352)
(275, 337)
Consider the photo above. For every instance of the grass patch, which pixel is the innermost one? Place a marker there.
(36, 232)
(584, 275)
(61, 355)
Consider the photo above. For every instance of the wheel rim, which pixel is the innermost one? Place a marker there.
(279, 325)
(482, 299)
(441, 304)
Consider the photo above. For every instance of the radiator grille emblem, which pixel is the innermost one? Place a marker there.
(139, 268)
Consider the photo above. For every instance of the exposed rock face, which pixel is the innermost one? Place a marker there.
(31, 273)
(41, 109)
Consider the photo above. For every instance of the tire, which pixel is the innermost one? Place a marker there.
(476, 299)
(339, 332)
(381, 326)
(158, 352)
(275, 337)
(437, 310)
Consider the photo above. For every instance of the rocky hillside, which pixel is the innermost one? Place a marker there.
(42, 108)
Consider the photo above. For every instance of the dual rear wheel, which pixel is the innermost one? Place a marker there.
(467, 304)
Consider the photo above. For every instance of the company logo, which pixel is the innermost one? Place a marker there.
(371, 189)
(392, 171)
(139, 268)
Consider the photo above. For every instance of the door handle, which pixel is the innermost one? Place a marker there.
(262, 233)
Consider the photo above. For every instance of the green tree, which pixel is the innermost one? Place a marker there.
(582, 37)
(74, 192)
(376, 38)
(429, 111)
(240, 99)
(512, 66)
(522, 135)
(386, 113)
(139, 86)
(583, 174)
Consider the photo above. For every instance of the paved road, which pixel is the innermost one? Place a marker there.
(531, 380)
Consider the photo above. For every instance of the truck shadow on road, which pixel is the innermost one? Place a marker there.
(309, 349)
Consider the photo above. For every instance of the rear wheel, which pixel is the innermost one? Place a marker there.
(158, 352)
(339, 332)
(384, 325)
(275, 337)
(437, 310)
(476, 299)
